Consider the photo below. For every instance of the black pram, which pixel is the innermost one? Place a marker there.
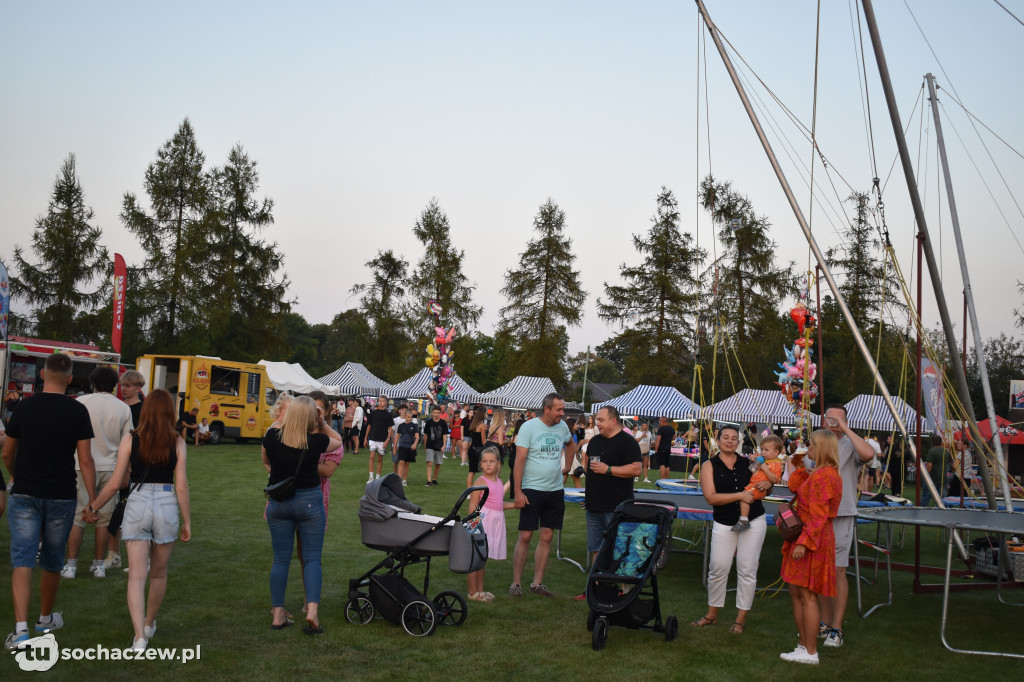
(634, 548)
(391, 523)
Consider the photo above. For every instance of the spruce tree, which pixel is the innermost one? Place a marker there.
(658, 301)
(174, 235)
(384, 302)
(246, 289)
(544, 295)
(67, 285)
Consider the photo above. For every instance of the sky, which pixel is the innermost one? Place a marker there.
(358, 114)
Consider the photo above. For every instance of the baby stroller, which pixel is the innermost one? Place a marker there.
(634, 548)
(391, 523)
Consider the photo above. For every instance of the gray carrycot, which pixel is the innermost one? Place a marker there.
(388, 520)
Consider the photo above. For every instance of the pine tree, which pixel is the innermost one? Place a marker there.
(658, 301)
(384, 303)
(245, 294)
(174, 236)
(544, 295)
(70, 260)
(438, 275)
(748, 285)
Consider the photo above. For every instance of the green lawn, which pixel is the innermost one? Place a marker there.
(218, 598)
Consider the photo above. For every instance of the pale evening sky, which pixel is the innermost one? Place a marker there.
(359, 113)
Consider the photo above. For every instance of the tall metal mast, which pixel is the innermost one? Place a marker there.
(979, 349)
(858, 339)
(922, 226)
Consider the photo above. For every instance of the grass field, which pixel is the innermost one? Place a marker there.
(219, 599)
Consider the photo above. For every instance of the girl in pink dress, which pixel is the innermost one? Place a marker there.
(493, 517)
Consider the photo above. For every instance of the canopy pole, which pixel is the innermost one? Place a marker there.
(812, 242)
(979, 349)
(922, 226)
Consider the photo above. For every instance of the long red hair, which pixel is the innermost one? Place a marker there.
(156, 428)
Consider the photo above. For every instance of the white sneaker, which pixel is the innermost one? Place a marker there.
(16, 639)
(112, 561)
(800, 655)
(149, 630)
(56, 623)
(647, 480)
(97, 569)
(636, 479)
(69, 571)
(370, 478)
(405, 484)
(834, 639)
(140, 645)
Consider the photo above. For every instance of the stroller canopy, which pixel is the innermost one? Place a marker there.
(384, 498)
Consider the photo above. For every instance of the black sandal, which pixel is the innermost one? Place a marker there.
(704, 621)
(733, 630)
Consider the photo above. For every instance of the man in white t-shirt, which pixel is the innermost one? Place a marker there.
(544, 453)
(853, 451)
(111, 421)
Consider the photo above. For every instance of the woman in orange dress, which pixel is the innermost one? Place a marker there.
(808, 564)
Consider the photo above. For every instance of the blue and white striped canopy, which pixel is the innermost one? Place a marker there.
(871, 412)
(352, 378)
(522, 393)
(753, 405)
(418, 386)
(652, 401)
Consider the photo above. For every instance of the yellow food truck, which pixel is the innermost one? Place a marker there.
(234, 397)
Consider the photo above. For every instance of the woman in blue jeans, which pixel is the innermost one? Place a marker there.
(294, 449)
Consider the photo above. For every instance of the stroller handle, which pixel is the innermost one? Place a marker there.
(454, 513)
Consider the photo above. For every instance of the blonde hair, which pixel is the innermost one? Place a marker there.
(282, 401)
(826, 448)
(132, 378)
(494, 451)
(299, 422)
(497, 423)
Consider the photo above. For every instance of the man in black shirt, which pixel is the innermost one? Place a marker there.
(435, 434)
(43, 436)
(665, 435)
(189, 426)
(612, 460)
(379, 426)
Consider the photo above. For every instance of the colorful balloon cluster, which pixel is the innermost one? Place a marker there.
(439, 358)
(796, 380)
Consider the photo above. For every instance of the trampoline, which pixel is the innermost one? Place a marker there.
(982, 520)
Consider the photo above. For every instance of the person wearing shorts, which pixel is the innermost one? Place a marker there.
(435, 435)
(407, 437)
(544, 452)
(43, 436)
(853, 451)
(664, 437)
(378, 432)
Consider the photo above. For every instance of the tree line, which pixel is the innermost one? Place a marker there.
(211, 282)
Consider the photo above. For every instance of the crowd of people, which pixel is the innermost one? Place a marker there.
(96, 459)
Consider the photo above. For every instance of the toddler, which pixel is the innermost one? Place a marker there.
(768, 468)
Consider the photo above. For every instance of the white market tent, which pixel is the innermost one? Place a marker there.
(418, 386)
(522, 393)
(753, 405)
(652, 401)
(870, 412)
(291, 377)
(353, 378)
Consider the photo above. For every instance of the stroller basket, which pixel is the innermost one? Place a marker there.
(390, 593)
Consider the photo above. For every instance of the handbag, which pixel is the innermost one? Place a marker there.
(789, 524)
(117, 516)
(285, 490)
(467, 547)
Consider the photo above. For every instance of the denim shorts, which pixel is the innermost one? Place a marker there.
(151, 514)
(597, 524)
(31, 518)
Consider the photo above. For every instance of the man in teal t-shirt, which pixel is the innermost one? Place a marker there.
(544, 452)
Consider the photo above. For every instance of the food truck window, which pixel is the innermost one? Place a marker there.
(271, 395)
(224, 380)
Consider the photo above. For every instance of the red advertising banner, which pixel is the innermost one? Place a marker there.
(120, 277)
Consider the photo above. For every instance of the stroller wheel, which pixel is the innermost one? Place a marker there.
(591, 619)
(419, 618)
(451, 608)
(600, 636)
(359, 611)
(671, 628)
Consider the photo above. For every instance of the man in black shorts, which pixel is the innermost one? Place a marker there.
(663, 447)
(407, 437)
(544, 453)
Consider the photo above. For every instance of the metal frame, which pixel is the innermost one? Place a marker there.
(879, 549)
(958, 519)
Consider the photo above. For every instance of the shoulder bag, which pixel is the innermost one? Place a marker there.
(285, 490)
(789, 524)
